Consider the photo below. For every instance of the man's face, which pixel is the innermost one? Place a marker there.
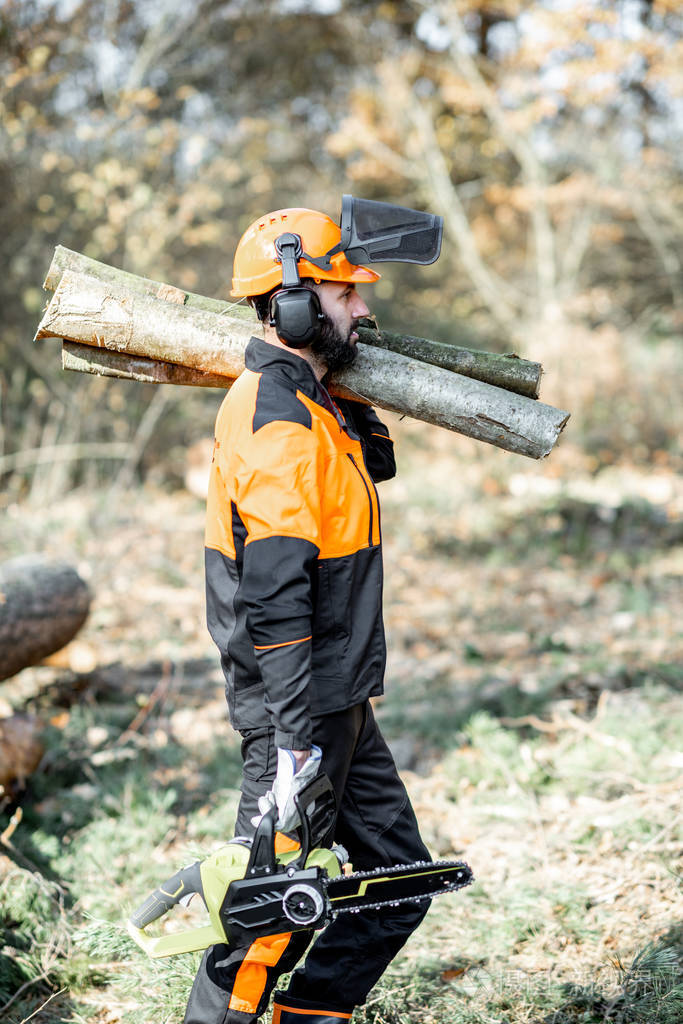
(343, 307)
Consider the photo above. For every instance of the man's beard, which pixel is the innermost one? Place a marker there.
(332, 348)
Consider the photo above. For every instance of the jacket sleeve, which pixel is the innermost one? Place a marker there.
(378, 448)
(278, 500)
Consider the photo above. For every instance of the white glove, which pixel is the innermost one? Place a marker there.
(288, 783)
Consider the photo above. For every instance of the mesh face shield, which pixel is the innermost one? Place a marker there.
(374, 232)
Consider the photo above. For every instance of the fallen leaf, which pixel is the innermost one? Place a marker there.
(453, 973)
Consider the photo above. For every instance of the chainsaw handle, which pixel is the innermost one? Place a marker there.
(184, 883)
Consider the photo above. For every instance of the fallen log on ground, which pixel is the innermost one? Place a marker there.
(42, 607)
(84, 309)
(21, 750)
(504, 371)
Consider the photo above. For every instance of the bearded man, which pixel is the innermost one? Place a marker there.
(294, 604)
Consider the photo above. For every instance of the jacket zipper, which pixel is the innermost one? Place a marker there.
(367, 489)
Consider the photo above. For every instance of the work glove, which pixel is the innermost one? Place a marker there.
(288, 783)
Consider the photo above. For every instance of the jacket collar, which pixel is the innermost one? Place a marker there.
(260, 356)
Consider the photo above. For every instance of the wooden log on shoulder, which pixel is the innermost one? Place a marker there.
(42, 607)
(90, 311)
(470, 407)
(69, 259)
(504, 371)
(104, 363)
(105, 316)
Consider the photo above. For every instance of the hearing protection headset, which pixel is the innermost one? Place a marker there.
(294, 310)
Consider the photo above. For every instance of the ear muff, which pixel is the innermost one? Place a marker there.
(296, 315)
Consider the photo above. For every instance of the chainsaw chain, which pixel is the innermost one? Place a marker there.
(397, 869)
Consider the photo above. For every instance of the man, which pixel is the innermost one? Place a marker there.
(294, 603)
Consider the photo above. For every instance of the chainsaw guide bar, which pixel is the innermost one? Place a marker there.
(402, 883)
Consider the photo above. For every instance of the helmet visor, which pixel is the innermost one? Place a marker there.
(373, 232)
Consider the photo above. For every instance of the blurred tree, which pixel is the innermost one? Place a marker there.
(150, 133)
(149, 136)
(545, 133)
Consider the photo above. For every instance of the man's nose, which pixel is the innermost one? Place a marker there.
(359, 308)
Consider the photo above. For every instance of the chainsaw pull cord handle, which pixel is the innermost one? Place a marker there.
(183, 884)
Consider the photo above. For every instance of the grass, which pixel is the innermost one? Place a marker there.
(110, 841)
(534, 694)
(525, 943)
(648, 989)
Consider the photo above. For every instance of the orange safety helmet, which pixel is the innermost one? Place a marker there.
(256, 270)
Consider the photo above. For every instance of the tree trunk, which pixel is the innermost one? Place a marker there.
(42, 607)
(504, 371)
(89, 311)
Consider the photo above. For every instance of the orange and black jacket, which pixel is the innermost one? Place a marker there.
(293, 547)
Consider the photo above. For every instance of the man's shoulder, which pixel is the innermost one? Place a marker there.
(277, 400)
(257, 399)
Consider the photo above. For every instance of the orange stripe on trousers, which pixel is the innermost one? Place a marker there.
(279, 1007)
(251, 978)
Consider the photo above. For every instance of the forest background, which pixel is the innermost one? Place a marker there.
(533, 609)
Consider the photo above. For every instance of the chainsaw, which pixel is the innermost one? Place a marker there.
(250, 892)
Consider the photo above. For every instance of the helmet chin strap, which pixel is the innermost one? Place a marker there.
(323, 262)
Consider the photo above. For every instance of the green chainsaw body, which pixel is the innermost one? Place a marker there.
(251, 892)
(218, 872)
(243, 884)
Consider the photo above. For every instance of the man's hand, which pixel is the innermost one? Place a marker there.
(295, 769)
(301, 756)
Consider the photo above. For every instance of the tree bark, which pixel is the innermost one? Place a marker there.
(504, 371)
(42, 607)
(87, 359)
(89, 311)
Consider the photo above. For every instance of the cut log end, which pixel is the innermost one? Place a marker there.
(42, 607)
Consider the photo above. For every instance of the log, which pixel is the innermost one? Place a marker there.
(42, 607)
(505, 371)
(89, 311)
(123, 280)
(103, 363)
(104, 316)
(21, 750)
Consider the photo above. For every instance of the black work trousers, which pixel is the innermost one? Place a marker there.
(377, 825)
